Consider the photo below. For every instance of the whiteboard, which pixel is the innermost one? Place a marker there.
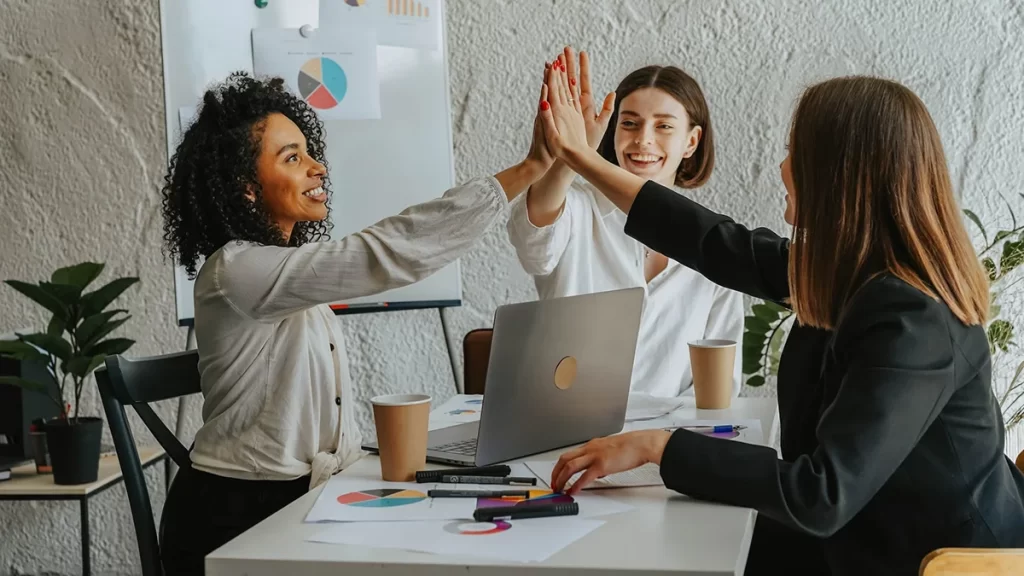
(377, 167)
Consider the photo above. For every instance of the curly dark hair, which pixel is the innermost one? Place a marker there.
(214, 167)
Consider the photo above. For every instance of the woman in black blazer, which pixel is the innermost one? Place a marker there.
(892, 440)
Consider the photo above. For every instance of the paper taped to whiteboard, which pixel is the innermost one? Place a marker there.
(336, 74)
(403, 23)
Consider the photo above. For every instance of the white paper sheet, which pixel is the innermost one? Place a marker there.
(405, 23)
(459, 409)
(747, 430)
(533, 540)
(646, 407)
(348, 499)
(336, 74)
(368, 499)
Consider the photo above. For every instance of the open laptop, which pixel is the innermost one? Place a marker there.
(558, 375)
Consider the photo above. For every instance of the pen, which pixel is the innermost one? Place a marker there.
(522, 512)
(717, 429)
(436, 475)
(478, 493)
(455, 479)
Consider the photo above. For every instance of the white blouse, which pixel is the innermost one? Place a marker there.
(586, 250)
(275, 376)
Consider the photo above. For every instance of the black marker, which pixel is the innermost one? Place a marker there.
(523, 512)
(436, 475)
(508, 480)
(478, 493)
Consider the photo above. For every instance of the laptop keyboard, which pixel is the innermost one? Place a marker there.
(463, 447)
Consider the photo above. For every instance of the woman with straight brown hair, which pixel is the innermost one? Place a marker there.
(570, 238)
(892, 441)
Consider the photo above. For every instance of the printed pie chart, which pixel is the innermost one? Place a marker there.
(322, 83)
(385, 498)
(463, 528)
(355, 2)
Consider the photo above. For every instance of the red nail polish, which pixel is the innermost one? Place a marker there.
(544, 105)
(572, 81)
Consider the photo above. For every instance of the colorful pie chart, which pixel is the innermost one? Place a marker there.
(322, 83)
(355, 2)
(476, 528)
(386, 498)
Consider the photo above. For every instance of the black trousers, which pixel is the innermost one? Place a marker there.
(204, 511)
(776, 549)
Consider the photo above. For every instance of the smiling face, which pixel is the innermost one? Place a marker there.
(290, 179)
(653, 135)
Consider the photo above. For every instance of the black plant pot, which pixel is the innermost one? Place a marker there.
(74, 449)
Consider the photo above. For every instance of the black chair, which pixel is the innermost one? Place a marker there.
(125, 382)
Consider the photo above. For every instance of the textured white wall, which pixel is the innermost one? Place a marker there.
(82, 153)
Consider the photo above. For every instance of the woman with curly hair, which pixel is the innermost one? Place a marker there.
(247, 191)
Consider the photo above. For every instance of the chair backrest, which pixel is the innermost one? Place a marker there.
(126, 382)
(476, 353)
(961, 561)
(1020, 460)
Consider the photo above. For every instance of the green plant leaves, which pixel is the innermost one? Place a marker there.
(82, 366)
(79, 275)
(755, 380)
(56, 326)
(977, 222)
(108, 347)
(990, 268)
(1000, 335)
(97, 326)
(96, 301)
(55, 345)
(40, 296)
(1013, 256)
(23, 351)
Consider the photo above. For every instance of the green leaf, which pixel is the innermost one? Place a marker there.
(1013, 256)
(994, 310)
(764, 312)
(39, 296)
(67, 295)
(97, 326)
(775, 350)
(82, 366)
(977, 222)
(756, 325)
(23, 351)
(755, 381)
(55, 345)
(96, 301)
(56, 326)
(79, 275)
(990, 268)
(778, 308)
(109, 347)
(23, 383)
(1000, 334)
(752, 366)
(1000, 235)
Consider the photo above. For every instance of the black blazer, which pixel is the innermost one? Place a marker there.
(892, 440)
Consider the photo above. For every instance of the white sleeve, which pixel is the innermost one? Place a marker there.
(270, 282)
(539, 248)
(725, 321)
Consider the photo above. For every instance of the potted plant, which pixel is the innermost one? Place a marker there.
(765, 328)
(74, 344)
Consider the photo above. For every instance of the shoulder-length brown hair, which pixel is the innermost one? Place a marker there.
(873, 196)
(694, 171)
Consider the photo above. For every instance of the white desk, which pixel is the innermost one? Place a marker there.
(685, 536)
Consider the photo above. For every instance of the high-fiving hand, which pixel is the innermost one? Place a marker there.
(565, 130)
(596, 120)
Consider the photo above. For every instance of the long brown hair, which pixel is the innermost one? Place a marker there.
(695, 170)
(873, 196)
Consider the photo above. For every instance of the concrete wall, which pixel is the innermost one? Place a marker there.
(82, 154)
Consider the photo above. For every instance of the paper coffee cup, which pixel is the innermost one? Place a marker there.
(402, 428)
(712, 363)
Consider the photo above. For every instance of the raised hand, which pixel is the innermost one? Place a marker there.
(595, 119)
(539, 154)
(565, 130)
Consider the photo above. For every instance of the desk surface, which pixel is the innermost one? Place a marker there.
(689, 537)
(25, 482)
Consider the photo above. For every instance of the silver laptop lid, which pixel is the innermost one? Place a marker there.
(559, 373)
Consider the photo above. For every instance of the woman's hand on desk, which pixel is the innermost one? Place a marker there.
(604, 456)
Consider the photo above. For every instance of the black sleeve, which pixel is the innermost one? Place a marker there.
(749, 261)
(895, 373)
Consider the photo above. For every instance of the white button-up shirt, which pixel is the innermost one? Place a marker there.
(586, 250)
(275, 376)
